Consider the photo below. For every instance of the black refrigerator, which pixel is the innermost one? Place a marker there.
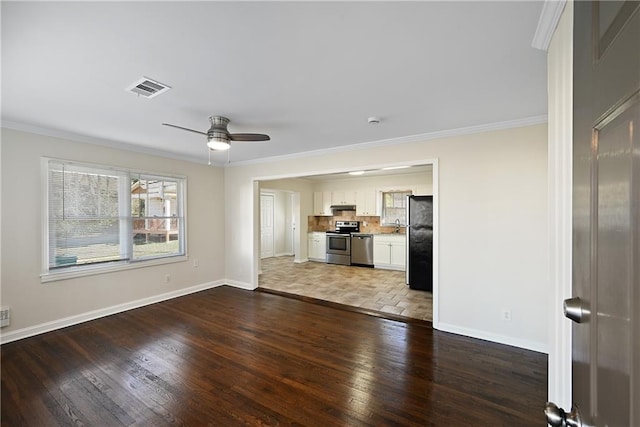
(420, 242)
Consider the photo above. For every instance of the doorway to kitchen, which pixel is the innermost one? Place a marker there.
(374, 289)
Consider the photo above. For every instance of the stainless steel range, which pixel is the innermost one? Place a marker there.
(339, 242)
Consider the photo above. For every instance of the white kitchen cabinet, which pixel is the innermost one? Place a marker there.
(366, 203)
(322, 203)
(343, 198)
(389, 251)
(317, 246)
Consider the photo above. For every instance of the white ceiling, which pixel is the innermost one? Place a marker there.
(309, 74)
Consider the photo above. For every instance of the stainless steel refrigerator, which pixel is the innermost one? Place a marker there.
(420, 242)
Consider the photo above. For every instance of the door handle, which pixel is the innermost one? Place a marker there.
(557, 417)
(576, 309)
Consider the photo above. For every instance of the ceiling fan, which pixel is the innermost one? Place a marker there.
(219, 138)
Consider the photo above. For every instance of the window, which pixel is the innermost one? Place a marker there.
(394, 207)
(100, 216)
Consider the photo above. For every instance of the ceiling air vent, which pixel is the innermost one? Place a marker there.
(147, 87)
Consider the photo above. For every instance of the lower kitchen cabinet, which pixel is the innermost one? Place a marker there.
(317, 246)
(389, 251)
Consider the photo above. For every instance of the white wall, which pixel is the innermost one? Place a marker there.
(36, 306)
(493, 229)
(279, 221)
(288, 224)
(493, 225)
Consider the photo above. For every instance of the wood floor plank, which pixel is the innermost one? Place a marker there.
(231, 357)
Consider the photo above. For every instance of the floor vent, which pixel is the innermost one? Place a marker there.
(147, 87)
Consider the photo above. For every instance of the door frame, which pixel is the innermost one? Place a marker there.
(560, 172)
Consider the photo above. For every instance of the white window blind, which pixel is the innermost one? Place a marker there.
(98, 215)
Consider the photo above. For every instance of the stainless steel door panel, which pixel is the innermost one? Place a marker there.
(606, 213)
(614, 264)
(339, 244)
(339, 249)
(339, 259)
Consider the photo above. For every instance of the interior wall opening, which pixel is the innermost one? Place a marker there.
(305, 272)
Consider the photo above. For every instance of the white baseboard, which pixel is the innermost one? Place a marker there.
(389, 267)
(95, 314)
(240, 285)
(283, 254)
(488, 336)
(300, 261)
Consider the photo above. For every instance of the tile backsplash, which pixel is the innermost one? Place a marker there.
(327, 223)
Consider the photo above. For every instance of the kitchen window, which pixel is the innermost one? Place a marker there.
(394, 207)
(101, 218)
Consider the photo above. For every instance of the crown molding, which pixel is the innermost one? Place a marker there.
(126, 146)
(510, 124)
(547, 23)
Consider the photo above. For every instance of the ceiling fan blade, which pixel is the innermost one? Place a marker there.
(249, 137)
(187, 129)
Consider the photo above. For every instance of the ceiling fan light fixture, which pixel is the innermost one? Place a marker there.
(218, 137)
(218, 144)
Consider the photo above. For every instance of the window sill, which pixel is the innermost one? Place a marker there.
(82, 271)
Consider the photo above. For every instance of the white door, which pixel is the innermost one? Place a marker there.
(266, 225)
(606, 218)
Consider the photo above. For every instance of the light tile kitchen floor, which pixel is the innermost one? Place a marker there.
(369, 288)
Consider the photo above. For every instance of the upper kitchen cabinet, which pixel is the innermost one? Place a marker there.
(343, 198)
(322, 203)
(366, 203)
(341, 189)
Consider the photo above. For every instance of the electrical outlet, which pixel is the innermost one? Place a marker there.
(5, 317)
(167, 278)
(506, 315)
(196, 263)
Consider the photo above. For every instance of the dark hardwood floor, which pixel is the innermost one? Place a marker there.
(228, 357)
